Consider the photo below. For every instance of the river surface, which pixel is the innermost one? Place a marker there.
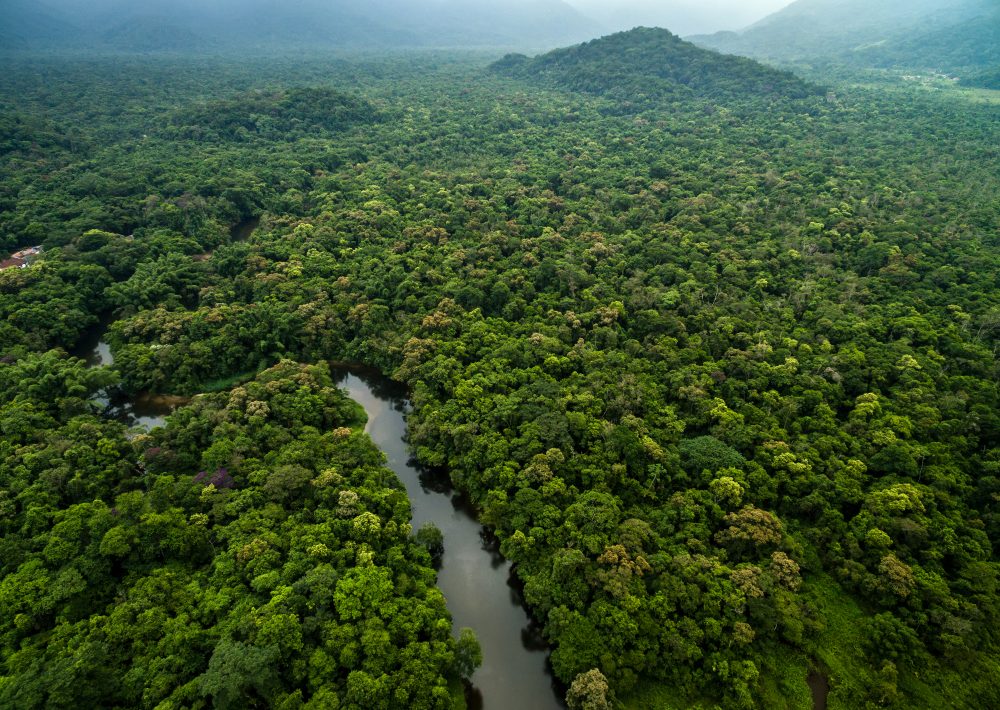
(481, 591)
(474, 577)
(144, 410)
(819, 686)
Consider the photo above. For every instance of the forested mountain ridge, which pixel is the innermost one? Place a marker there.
(719, 372)
(941, 34)
(231, 25)
(986, 79)
(25, 24)
(151, 34)
(651, 65)
(970, 48)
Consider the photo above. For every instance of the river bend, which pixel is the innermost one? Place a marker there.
(475, 579)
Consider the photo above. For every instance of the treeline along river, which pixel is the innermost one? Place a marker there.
(476, 580)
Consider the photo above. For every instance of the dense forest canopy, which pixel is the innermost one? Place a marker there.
(653, 64)
(965, 47)
(711, 349)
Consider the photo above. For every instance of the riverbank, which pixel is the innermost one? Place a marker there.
(481, 590)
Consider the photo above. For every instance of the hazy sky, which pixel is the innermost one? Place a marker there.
(682, 17)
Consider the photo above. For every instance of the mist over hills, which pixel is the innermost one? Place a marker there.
(924, 34)
(961, 37)
(151, 34)
(971, 44)
(185, 25)
(683, 17)
(24, 24)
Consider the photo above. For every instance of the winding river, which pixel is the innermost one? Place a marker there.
(475, 578)
(143, 410)
(481, 590)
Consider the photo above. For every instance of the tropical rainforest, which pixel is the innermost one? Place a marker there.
(711, 348)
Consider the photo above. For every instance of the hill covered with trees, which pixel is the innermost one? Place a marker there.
(987, 79)
(967, 47)
(652, 65)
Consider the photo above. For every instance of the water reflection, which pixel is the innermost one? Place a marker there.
(819, 686)
(481, 590)
(142, 411)
(478, 583)
(145, 410)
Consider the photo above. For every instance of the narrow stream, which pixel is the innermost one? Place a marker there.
(819, 686)
(144, 410)
(475, 579)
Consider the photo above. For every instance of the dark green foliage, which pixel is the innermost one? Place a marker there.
(280, 115)
(989, 79)
(49, 304)
(133, 578)
(433, 541)
(708, 453)
(971, 44)
(719, 370)
(468, 655)
(652, 64)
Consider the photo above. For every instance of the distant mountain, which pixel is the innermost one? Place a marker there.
(25, 24)
(986, 79)
(650, 65)
(837, 29)
(152, 34)
(182, 25)
(970, 45)
(312, 23)
(683, 17)
(511, 22)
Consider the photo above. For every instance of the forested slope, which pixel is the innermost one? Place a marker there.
(718, 367)
(653, 64)
(988, 79)
(956, 37)
(825, 29)
(964, 47)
